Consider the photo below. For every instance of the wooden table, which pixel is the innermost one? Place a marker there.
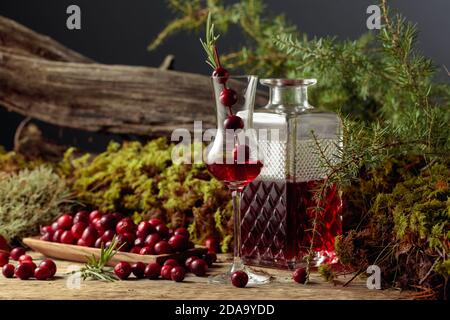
(282, 287)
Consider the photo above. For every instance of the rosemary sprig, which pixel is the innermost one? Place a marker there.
(210, 44)
(96, 268)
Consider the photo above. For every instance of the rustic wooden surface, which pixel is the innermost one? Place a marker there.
(192, 288)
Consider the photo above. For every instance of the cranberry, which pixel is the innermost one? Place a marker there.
(125, 225)
(67, 237)
(99, 242)
(190, 245)
(177, 273)
(77, 229)
(55, 226)
(81, 216)
(47, 237)
(162, 230)
(171, 262)
(233, 122)
(188, 262)
(57, 235)
(3, 244)
(181, 232)
(241, 152)
(153, 271)
(140, 242)
(166, 272)
(222, 74)
(25, 257)
(94, 215)
(162, 247)
(65, 222)
(31, 263)
(299, 275)
(50, 264)
(8, 270)
(46, 229)
(239, 279)
(125, 240)
(155, 221)
(24, 271)
(98, 226)
(228, 97)
(138, 269)
(118, 216)
(144, 229)
(108, 222)
(82, 243)
(136, 250)
(89, 235)
(146, 251)
(178, 243)
(4, 258)
(209, 258)
(212, 244)
(122, 270)
(152, 239)
(42, 273)
(16, 253)
(108, 235)
(199, 267)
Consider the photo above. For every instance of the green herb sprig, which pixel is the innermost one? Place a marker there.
(210, 44)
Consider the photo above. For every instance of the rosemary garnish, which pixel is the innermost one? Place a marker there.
(210, 44)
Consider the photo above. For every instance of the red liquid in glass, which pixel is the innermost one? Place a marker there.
(238, 173)
(277, 222)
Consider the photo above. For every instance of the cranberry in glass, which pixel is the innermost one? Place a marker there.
(199, 267)
(78, 228)
(144, 228)
(4, 258)
(152, 239)
(299, 275)
(228, 97)
(233, 122)
(24, 271)
(94, 215)
(89, 236)
(138, 269)
(188, 262)
(155, 221)
(146, 251)
(162, 230)
(65, 222)
(16, 253)
(50, 264)
(239, 279)
(81, 216)
(181, 232)
(152, 271)
(122, 270)
(222, 74)
(25, 257)
(178, 243)
(42, 273)
(8, 270)
(177, 273)
(241, 152)
(171, 262)
(162, 247)
(166, 272)
(67, 237)
(125, 225)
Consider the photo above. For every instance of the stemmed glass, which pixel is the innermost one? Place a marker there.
(233, 157)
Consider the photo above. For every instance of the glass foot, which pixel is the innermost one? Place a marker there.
(255, 277)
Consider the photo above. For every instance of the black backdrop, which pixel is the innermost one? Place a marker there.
(118, 32)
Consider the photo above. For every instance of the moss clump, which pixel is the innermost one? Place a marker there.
(13, 162)
(28, 199)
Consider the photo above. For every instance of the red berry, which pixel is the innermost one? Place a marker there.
(122, 270)
(139, 242)
(47, 237)
(46, 229)
(57, 235)
(25, 257)
(181, 232)
(82, 243)
(55, 226)
(222, 74)
(188, 262)
(125, 240)
(146, 250)
(125, 225)
(50, 264)
(162, 230)
(67, 237)
(233, 122)
(16, 253)
(199, 267)
(89, 236)
(31, 263)
(299, 275)
(144, 229)
(99, 242)
(65, 222)
(155, 221)
(152, 239)
(210, 258)
(42, 273)
(239, 279)
(190, 245)
(241, 153)
(136, 250)
(212, 244)
(138, 269)
(4, 258)
(77, 229)
(98, 226)
(108, 235)
(24, 271)
(162, 247)
(81, 216)
(178, 243)
(108, 222)
(177, 273)
(8, 270)
(171, 262)
(166, 272)
(228, 97)
(4, 244)
(94, 215)
(152, 271)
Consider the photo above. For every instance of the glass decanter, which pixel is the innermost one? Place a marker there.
(233, 157)
(278, 207)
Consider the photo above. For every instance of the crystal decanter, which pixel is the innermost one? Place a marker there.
(278, 208)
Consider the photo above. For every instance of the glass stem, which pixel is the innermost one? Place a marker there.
(237, 261)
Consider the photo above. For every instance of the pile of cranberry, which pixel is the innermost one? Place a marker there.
(95, 229)
(26, 268)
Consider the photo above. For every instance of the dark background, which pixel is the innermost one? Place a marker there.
(118, 32)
